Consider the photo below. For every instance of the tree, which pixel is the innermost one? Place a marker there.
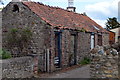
(112, 23)
(1, 2)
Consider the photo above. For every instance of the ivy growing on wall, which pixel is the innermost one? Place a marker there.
(82, 30)
(18, 38)
(5, 54)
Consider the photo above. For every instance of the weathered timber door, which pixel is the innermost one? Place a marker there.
(58, 53)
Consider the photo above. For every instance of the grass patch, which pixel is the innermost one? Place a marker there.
(5, 54)
(85, 61)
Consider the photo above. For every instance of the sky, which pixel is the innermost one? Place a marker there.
(98, 10)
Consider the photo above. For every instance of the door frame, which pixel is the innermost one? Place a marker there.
(75, 34)
(59, 47)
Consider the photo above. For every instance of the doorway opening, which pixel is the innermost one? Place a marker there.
(58, 52)
(73, 54)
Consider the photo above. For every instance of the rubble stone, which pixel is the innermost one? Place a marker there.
(104, 66)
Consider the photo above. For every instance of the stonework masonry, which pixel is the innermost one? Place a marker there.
(43, 36)
(104, 64)
(17, 67)
(105, 39)
(84, 44)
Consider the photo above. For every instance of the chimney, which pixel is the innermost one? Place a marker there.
(70, 6)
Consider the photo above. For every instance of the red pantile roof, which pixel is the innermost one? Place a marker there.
(63, 18)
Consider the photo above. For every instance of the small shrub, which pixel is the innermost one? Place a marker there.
(82, 30)
(85, 61)
(5, 54)
(18, 38)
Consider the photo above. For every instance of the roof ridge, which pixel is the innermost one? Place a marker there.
(58, 16)
(57, 7)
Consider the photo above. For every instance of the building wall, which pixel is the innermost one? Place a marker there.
(43, 39)
(84, 45)
(26, 18)
(17, 67)
(96, 40)
(41, 31)
(65, 47)
(52, 50)
(105, 38)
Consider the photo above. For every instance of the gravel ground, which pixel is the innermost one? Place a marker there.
(80, 72)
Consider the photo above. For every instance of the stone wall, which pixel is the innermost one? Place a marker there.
(104, 63)
(84, 44)
(22, 19)
(96, 40)
(17, 67)
(105, 38)
(65, 47)
(42, 33)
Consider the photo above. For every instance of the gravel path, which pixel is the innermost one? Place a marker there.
(82, 72)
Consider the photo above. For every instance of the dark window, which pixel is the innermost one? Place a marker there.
(15, 8)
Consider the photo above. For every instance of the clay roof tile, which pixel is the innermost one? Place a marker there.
(56, 16)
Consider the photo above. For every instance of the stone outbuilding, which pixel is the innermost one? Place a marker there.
(117, 33)
(62, 37)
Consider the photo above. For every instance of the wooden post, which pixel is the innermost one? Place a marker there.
(48, 60)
